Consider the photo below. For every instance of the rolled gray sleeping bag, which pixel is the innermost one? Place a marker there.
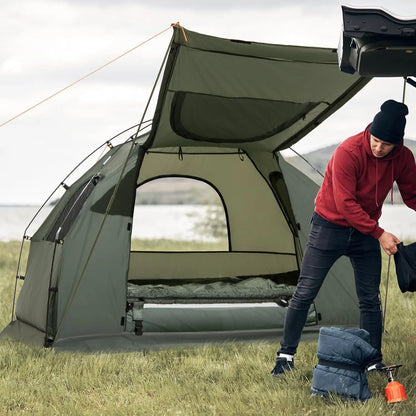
(343, 355)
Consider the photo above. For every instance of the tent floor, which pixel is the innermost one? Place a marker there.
(150, 341)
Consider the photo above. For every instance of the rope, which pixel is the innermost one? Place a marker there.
(183, 30)
(91, 73)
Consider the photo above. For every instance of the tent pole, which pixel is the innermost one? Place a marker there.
(110, 203)
(153, 90)
(26, 237)
(404, 89)
(385, 298)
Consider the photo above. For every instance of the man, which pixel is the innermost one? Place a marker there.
(357, 180)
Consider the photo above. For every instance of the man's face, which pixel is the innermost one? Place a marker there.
(379, 148)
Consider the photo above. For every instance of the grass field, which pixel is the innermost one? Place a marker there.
(229, 379)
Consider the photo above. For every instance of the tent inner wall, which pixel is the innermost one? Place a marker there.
(255, 220)
(260, 266)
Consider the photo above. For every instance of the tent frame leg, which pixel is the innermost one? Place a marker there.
(138, 308)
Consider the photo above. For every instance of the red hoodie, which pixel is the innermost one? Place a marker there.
(356, 183)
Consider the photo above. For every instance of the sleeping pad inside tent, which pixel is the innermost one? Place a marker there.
(225, 110)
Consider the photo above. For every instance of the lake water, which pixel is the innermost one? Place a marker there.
(177, 221)
(150, 221)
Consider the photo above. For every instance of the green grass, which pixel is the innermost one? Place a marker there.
(229, 379)
(171, 245)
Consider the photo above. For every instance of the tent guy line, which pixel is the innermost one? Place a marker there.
(91, 73)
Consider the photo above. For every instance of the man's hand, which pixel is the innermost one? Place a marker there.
(388, 242)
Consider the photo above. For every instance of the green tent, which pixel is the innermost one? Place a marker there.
(225, 110)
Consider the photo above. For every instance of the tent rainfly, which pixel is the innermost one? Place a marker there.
(225, 110)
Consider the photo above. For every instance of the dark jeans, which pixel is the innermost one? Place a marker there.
(327, 242)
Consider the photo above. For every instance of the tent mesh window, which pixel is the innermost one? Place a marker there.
(70, 211)
(223, 119)
(208, 222)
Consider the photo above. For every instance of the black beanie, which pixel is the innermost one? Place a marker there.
(388, 125)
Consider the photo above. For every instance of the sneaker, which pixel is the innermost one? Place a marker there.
(282, 365)
(376, 367)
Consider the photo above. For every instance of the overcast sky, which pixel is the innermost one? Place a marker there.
(48, 44)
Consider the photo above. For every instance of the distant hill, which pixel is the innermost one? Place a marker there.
(176, 191)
